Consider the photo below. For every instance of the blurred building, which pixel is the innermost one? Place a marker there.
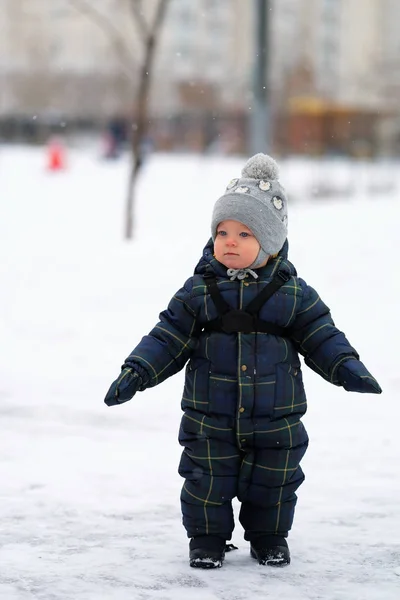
(334, 70)
(335, 85)
(202, 73)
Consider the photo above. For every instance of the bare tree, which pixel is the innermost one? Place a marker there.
(149, 31)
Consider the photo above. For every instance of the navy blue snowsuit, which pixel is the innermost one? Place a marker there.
(243, 397)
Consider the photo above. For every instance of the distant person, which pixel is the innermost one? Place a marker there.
(115, 138)
(238, 325)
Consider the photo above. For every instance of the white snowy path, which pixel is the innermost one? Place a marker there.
(89, 495)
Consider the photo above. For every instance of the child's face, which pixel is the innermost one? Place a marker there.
(235, 245)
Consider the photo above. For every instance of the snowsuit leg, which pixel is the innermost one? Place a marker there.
(211, 470)
(269, 479)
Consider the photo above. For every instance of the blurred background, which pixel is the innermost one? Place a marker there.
(317, 78)
(103, 102)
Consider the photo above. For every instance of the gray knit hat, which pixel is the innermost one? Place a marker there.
(258, 201)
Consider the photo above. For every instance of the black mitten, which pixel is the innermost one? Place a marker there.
(354, 377)
(123, 388)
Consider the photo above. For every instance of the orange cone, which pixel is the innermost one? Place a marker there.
(56, 156)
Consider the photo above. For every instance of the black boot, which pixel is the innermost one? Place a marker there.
(206, 552)
(271, 550)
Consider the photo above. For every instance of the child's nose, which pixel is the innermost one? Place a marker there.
(230, 241)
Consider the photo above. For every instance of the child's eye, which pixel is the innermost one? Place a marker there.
(244, 234)
(221, 232)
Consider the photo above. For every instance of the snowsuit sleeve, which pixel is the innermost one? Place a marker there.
(168, 346)
(323, 346)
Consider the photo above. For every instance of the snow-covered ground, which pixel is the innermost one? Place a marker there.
(89, 495)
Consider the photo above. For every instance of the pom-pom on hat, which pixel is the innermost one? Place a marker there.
(257, 200)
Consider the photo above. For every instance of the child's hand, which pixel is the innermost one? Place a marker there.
(354, 377)
(123, 388)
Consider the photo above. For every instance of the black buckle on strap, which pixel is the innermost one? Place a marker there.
(283, 275)
(238, 320)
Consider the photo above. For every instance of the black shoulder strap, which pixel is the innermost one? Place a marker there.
(212, 286)
(231, 320)
(278, 281)
(254, 306)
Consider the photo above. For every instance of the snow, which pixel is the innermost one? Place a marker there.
(89, 495)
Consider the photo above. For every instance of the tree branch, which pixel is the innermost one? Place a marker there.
(159, 16)
(138, 17)
(146, 73)
(106, 25)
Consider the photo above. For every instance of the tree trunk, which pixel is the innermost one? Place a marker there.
(135, 168)
(140, 130)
